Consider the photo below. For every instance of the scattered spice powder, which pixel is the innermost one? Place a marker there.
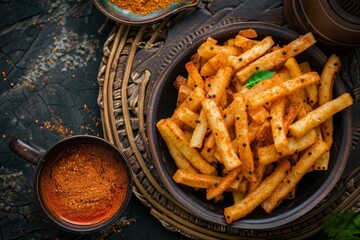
(143, 6)
(29, 84)
(56, 125)
(117, 227)
(4, 76)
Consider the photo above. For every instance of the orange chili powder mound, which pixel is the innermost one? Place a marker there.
(83, 184)
(143, 6)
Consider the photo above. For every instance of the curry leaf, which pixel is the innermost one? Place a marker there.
(342, 226)
(357, 220)
(257, 77)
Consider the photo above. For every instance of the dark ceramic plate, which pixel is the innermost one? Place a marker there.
(311, 189)
(124, 16)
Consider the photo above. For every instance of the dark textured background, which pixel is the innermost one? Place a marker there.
(50, 53)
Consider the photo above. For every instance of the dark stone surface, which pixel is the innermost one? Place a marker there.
(50, 53)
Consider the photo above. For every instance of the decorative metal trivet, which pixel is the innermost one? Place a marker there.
(133, 59)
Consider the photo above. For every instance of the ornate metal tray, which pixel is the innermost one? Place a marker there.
(133, 59)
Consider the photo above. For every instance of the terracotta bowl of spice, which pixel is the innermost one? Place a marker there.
(137, 13)
(82, 183)
(312, 187)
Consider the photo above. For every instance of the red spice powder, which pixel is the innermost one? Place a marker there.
(143, 6)
(83, 183)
